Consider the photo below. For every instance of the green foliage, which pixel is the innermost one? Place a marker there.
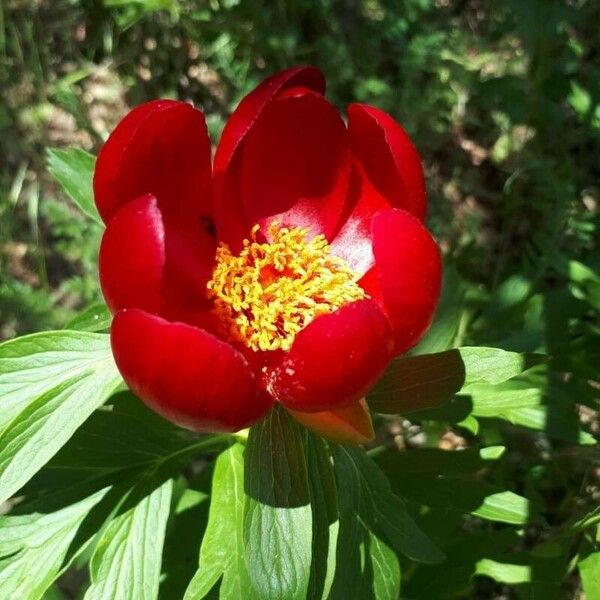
(34, 546)
(589, 570)
(96, 317)
(50, 384)
(74, 170)
(222, 551)
(483, 481)
(277, 507)
(117, 568)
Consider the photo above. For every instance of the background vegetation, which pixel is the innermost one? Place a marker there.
(502, 99)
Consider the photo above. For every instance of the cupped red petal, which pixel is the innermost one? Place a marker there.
(406, 278)
(296, 165)
(160, 148)
(132, 257)
(249, 109)
(232, 224)
(353, 240)
(149, 263)
(389, 158)
(186, 374)
(335, 360)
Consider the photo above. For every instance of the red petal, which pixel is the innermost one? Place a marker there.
(335, 360)
(353, 241)
(251, 106)
(160, 148)
(132, 257)
(186, 374)
(389, 158)
(406, 278)
(349, 425)
(296, 164)
(232, 225)
(145, 263)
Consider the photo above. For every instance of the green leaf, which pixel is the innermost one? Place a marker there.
(385, 568)
(589, 571)
(189, 520)
(348, 578)
(222, 550)
(428, 380)
(492, 365)
(278, 515)
(589, 520)
(521, 404)
(73, 168)
(125, 434)
(506, 507)
(127, 559)
(50, 383)
(121, 444)
(489, 401)
(587, 283)
(380, 509)
(324, 505)
(503, 572)
(96, 317)
(451, 482)
(417, 382)
(33, 548)
(453, 578)
(492, 452)
(54, 593)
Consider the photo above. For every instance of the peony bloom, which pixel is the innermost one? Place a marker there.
(292, 268)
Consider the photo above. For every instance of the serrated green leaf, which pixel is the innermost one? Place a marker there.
(96, 317)
(506, 507)
(33, 548)
(277, 513)
(127, 559)
(50, 383)
(73, 168)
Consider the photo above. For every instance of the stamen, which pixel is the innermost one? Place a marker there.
(272, 291)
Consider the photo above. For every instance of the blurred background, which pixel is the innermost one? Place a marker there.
(500, 96)
(502, 99)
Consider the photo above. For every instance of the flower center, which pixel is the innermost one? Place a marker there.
(271, 291)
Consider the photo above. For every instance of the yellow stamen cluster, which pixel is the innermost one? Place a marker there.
(271, 291)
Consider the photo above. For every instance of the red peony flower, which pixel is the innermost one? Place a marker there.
(290, 270)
